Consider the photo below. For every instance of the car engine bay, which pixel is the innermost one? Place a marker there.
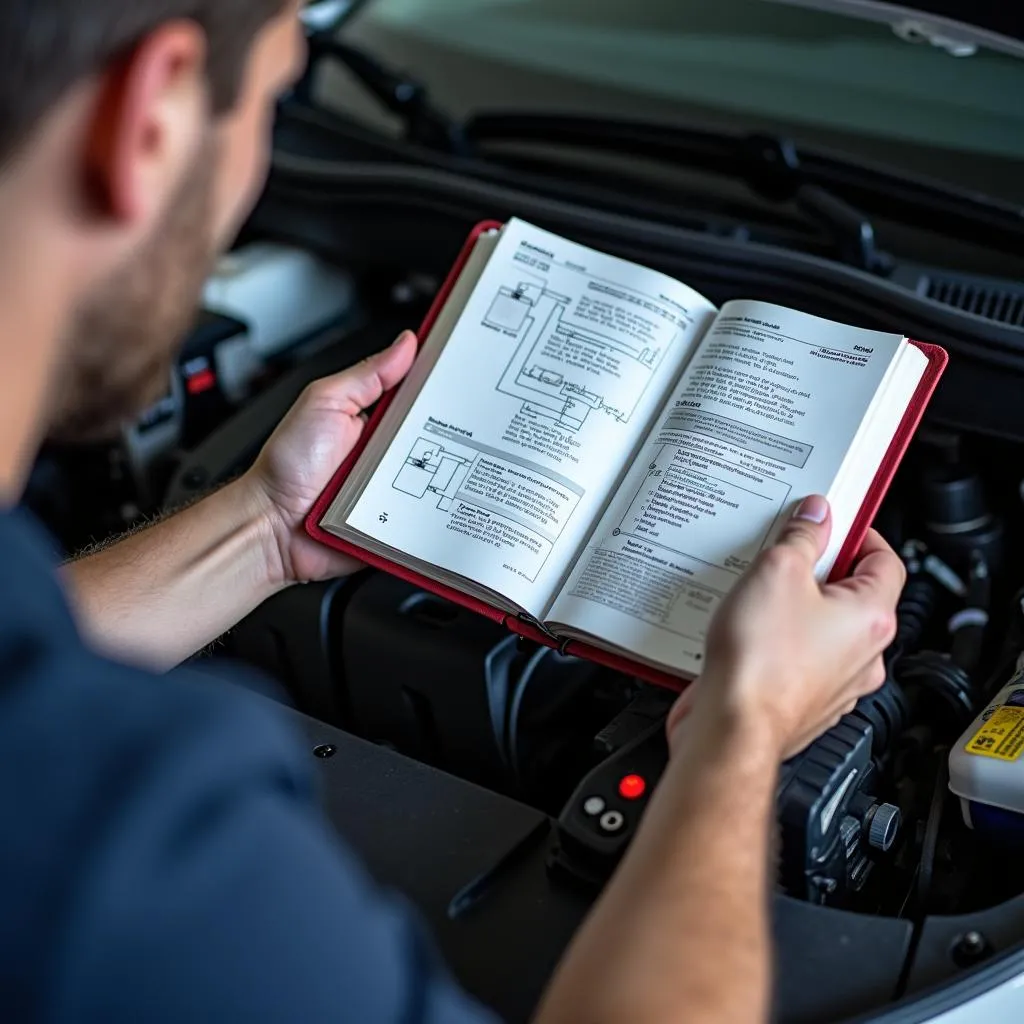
(883, 875)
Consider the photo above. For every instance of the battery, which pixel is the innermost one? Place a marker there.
(986, 767)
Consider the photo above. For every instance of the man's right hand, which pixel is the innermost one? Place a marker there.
(687, 912)
(788, 655)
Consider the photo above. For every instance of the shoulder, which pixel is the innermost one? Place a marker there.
(103, 765)
(62, 704)
(163, 859)
(96, 755)
(96, 750)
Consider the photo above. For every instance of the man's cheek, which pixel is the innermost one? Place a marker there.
(247, 166)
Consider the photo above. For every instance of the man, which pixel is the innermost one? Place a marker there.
(162, 860)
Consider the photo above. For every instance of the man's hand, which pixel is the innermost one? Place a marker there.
(164, 593)
(788, 655)
(687, 912)
(306, 450)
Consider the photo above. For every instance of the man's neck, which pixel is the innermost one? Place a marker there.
(32, 314)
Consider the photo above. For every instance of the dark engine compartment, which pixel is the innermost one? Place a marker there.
(882, 889)
(865, 817)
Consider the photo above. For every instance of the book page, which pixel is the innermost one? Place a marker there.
(549, 380)
(766, 413)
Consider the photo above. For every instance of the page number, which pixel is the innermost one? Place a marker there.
(383, 517)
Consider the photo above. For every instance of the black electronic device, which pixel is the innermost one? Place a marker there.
(602, 816)
(831, 825)
(194, 405)
(205, 358)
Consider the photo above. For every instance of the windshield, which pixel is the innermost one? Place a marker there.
(825, 79)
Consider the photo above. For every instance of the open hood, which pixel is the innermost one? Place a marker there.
(959, 26)
(327, 15)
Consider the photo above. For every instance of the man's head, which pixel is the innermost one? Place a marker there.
(134, 138)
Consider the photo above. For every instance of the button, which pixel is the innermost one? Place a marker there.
(593, 806)
(202, 381)
(884, 826)
(632, 787)
(612, 821)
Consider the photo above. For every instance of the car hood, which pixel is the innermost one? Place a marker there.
(959, 26)
(327, 15)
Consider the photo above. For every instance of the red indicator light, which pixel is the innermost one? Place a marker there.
(201, 381)
(632, 787)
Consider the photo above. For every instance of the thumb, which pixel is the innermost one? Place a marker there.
(809, 530)
(394, 362)
(361, 385)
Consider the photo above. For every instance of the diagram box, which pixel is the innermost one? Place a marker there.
(508, 312)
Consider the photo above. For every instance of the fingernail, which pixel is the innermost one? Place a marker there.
(398, 341)
(814, 509)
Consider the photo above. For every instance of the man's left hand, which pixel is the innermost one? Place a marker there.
(305, 452)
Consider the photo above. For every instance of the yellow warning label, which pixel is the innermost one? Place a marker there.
(1002, 736)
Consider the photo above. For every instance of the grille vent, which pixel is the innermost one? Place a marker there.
(1001, 303)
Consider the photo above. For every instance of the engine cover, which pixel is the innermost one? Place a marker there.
(831, 824)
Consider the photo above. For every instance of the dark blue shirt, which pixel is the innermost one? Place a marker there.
(162, 858)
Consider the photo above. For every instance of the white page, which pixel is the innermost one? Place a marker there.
(764, 415)
(550, 379)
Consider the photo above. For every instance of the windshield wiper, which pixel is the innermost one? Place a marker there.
(830, 191)
(405, 97)
(772, 167)
(429, 127)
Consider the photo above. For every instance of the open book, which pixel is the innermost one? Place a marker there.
(592, 452)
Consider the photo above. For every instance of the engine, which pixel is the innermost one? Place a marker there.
(864, 814)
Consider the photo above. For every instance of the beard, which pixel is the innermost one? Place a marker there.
(123, 344)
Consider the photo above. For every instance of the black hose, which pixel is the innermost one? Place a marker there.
(940, 676)
(926, 872)
(512, 742)
(913, 614)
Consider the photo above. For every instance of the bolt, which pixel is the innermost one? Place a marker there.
(325, 750)
(971, 947)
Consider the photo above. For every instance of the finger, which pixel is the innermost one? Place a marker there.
(862, 683)
(873, 541)
(876, 556)
(808, 532)
(879, 572)
(874, 547)
(872, 679)
(827, 720)
(395, 362)
(358, 387)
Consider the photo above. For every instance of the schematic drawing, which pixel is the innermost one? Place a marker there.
(430, 468)
(513, 306)
(559, 365)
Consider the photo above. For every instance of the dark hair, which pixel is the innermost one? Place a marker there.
(46, 46)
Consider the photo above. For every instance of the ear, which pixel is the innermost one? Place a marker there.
(151, 113)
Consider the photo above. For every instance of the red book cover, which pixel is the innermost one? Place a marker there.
(937, 360)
